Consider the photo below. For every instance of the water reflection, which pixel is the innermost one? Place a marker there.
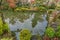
(21, 25)
(35, 22)
(37, 17)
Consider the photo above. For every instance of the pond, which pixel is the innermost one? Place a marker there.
(34, 21)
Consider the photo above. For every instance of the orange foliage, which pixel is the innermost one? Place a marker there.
(46, 38)
(32, 1)
(11, 3)
(55, 38)
(57, 0)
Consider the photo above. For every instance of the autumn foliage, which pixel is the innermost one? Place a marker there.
(11, 3)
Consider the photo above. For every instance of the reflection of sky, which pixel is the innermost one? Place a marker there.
(18, 25)
(17, 35)
(39, 28)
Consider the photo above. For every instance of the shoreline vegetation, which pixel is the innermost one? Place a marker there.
(52, 11)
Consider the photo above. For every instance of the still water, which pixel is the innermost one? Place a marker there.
(35, 22)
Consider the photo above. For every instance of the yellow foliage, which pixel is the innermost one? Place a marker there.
(3, 27)
(25, 34)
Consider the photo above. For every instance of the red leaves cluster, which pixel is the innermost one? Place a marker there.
(56, 38)
(57, 0)
(46, 38)
(11, 3)
(32, 1)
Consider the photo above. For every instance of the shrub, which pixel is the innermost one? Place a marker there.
(1, 23)
(7, 39)
(25, 34)
(43, 9)
(58, 28)
(50, 32)
(3, 27)
(53, 6)
(58, 31)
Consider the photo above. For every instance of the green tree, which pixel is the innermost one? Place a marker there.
(58, 31)
(50, 32)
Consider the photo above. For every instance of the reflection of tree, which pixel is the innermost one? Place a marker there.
(23, 16)
(37, 17)
(19, 15)
(12, 20)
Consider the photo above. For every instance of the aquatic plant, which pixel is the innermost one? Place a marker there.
(50, 32)
(25, 34)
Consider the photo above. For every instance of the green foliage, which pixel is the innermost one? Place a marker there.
(58, 31)
(5, 6)
(1, 32)
(50, 32)
(58, 8)
(34, 22)
(39, 37)
(42, 9)
(7, 39)
(21, 9)
(58, 28)
(25, 34)
(50, 11)
(3, 27)
(53, 6)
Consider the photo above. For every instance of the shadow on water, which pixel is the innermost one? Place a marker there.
(33, 21)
